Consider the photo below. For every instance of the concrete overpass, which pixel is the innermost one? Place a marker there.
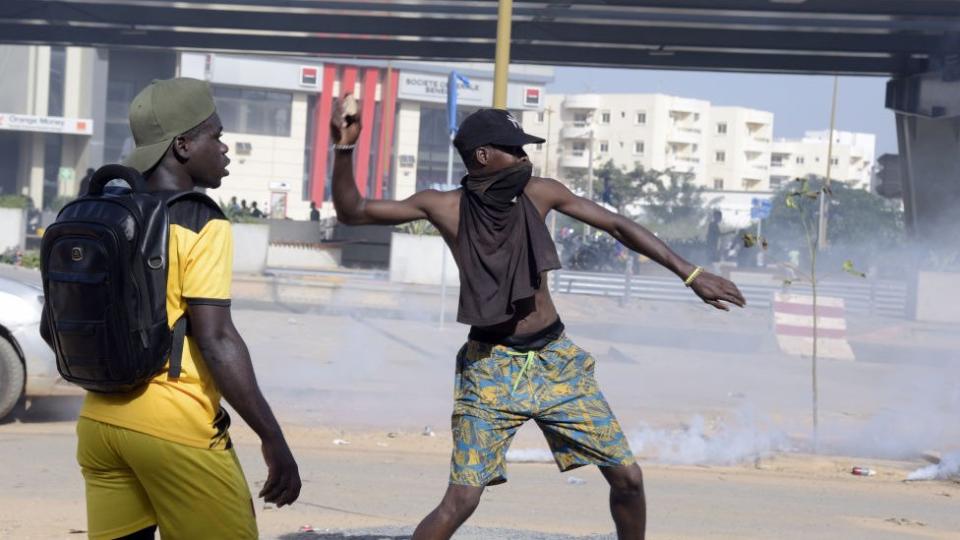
(915, 43)
(873, 37)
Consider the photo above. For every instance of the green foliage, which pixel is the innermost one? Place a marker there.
(27, 259)
(669, 202)
(862, 226)
(14, 201)
(674, 207)
(849, 268)
(621, 189)
(420, 227)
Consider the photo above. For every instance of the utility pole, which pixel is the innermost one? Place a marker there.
(502, 62)
(825, 189)
(586, 228)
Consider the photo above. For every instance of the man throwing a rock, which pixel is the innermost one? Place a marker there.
(518, 364)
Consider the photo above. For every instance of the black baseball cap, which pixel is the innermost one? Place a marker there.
(491, 126)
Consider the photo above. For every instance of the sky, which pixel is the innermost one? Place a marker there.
(799, 102)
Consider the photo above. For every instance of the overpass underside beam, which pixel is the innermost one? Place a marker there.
(927, 108)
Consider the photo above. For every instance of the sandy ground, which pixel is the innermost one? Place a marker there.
(700, 395)
(384, 484)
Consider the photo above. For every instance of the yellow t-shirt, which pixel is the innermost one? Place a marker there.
(185, 410)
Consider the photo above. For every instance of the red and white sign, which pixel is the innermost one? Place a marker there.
(793, 318)
(46, 124)
(531, 96)
(309, 76)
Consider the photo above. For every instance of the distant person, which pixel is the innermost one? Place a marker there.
(85, 183)
(233, 207)
(162, 455)
(745, 256)
(314, 213)
(243, 207)
(254, 211)
(33, 217)
(518, 363)
(713, 247)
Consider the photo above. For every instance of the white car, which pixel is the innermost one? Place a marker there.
(28, 368)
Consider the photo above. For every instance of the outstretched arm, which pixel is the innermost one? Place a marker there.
(352, 208)
(711, 288)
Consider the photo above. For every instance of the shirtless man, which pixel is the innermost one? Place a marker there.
(517, 364)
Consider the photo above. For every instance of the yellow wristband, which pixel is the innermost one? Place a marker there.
(693, 275)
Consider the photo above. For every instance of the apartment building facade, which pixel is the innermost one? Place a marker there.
(853, 158)
(723, 148)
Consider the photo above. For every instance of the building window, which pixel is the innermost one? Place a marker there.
(722, 128)
(800, 160)
(540, 116)
(718, 183)
(696, 117)
(604, 147)
(776, 182)
(539, 146)
(605, 117)
(641, 118)
(835, 161)
(695, 148)
(579, 148)
(638, 147)
(720, 157)
(580, 119)
(58, 71)
(431, 159)
(254, 112)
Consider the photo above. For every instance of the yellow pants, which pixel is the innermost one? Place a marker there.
(135, 480)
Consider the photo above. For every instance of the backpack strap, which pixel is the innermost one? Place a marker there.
(176, 347)
(180, 327)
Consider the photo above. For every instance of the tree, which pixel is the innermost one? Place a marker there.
(862, 225)
(667, 202)
(676, 198)
(621, 189)
(800, 210)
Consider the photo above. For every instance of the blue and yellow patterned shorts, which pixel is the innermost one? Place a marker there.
(498, 389)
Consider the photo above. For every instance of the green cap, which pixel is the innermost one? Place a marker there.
(163, 111)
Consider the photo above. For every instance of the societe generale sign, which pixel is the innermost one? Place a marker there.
(46, 124)
(432, 87)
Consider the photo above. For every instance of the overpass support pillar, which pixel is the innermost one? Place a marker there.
(927, 108)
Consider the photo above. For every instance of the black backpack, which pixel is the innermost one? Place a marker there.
(104, 267)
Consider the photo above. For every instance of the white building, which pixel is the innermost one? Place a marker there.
(47, 127)
(724, 148)
(64, 109)
(854, 158)
(739, 141)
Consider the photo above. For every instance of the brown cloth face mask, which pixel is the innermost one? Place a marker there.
(503, 246)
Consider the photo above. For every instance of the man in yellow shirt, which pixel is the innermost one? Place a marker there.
(161, 455)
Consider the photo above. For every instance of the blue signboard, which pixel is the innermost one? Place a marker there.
(452, 86)
(760, 208)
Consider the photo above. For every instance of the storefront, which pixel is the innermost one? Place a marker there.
(276, 116)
